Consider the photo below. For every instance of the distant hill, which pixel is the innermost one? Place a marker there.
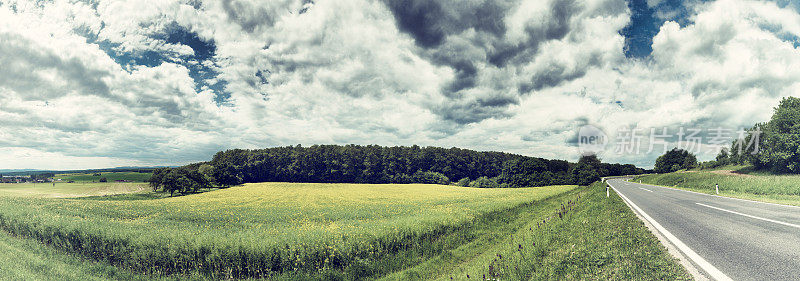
(26, 172)
(15, 170)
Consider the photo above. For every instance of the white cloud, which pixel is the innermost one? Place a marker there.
(511, 76)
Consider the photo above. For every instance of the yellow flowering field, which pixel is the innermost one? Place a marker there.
(259, 229)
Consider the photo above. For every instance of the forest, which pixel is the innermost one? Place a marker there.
(381, 164)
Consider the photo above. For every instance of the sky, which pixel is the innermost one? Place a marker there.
(94, 84)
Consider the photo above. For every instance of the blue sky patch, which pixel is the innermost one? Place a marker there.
(174, 34)
(646, 22)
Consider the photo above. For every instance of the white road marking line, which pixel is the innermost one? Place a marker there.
(645, 189)
(720, 196)
(750, 216)
(700, 261)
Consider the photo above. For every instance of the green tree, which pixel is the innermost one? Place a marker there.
(723, 158)
(207, 171)
(779, 149)
(674, 160)
(430, 177)
(227, 175)
(173, 181)
(156, 180)
(588, 170)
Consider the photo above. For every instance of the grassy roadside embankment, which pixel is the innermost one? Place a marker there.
(779, 189)
(580, 235)
(589, 238)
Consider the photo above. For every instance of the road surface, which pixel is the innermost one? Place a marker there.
(725, 238)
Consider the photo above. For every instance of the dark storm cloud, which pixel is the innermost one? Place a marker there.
(553, 76)
(420, 19)
(442, 30)
(471, 111)
(465, 76)
(430, 22)
(555, 29)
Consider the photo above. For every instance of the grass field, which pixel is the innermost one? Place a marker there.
(292, 231)
(110, 176)
(781, 189)
(260, 229)
(25, 259)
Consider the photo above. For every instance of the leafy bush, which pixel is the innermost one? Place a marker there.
(103, 179)
(675, 159)
(463, 182)
(484, 182)
(430, 177)
(588, 170)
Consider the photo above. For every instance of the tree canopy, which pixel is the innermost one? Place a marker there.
(379, 164)
(675, 159)
(774, 145)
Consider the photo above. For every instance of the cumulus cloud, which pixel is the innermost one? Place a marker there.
(170, 82)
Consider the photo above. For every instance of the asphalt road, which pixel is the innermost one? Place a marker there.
(726, 238)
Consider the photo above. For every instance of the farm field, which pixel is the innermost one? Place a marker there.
(262, 229)
(780, 189)
(110, 176)
(295, 231)
(70, 190)
(26, 259)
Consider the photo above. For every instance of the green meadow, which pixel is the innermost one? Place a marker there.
(760, 186)
(259, 230)
(110, 176)
(312, 231)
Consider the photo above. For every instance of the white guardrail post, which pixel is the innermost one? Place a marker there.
(717, 188)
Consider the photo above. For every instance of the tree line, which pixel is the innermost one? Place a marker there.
(770, 146)
(380, 164)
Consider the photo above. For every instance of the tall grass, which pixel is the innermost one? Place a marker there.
(706, 181)
(261, 230)
(27, 259)
(591, 237)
